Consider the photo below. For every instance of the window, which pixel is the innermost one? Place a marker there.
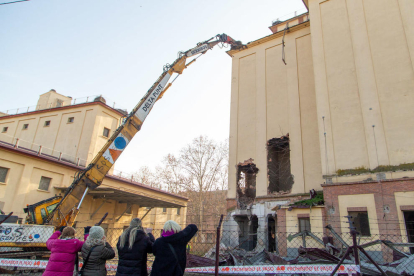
(71, 120)
(43, 213)
(47, 123)
(44, 183)
(106, 132)
(304, 224)
(52, 207)
(5, 129)
(164, 210)
(178, 211)
(361, 222)
(25, 126)
(3, 174)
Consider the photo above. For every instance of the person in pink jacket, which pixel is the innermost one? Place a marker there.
(63, 252)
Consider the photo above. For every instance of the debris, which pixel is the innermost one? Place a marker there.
(246, 183)
(197, 261)
(317, 254)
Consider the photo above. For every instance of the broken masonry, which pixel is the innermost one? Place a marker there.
(246, 183)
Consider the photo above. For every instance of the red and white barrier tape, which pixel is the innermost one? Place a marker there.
(253, 269)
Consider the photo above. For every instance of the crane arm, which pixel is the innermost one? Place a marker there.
(92, 176)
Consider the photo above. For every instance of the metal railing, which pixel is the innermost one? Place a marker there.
(41, 150)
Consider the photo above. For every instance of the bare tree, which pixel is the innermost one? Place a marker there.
(199, 172)
(170, 174)
(146, 176)
(203, 162)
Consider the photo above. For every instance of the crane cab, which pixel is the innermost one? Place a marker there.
(36, 213)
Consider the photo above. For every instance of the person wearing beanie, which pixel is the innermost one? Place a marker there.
(133, 246)
(101, 252)
(170, 249)
(63, 252)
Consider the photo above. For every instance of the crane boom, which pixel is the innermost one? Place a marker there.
(92, 176)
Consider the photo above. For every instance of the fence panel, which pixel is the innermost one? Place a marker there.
(257, 253)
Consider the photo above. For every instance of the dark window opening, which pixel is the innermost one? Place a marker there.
(247, 232)
(360, 222)
(5, 129)
(164, 210)
(44, 183)
(106, 132)
(271, 234)
(71, 119)
(409, 226)
(304, 224)
(3, 174)
(178, 211)
(25, 126)
(278, 165)
(246, 183)
(47, 123)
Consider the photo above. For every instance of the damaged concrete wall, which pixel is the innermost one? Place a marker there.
(270, 99)
(246, 184)
(278, 165)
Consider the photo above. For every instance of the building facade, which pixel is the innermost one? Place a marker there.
(323, 104)
(41, 150)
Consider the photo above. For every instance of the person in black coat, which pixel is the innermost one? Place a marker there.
(133, 246)
(166, 262)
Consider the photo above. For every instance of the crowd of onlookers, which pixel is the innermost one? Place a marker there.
(133, 246)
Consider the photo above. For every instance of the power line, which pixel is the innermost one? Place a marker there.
(13, 2)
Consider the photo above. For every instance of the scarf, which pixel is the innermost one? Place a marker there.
(167, 233)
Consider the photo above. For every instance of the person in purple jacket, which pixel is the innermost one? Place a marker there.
(63, 252)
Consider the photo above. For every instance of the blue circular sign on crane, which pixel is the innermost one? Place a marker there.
(120, 142)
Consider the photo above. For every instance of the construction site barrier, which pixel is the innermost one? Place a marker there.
(256, 269)
(240, 252)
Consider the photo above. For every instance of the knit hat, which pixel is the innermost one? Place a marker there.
(136, 222)
(96, 232)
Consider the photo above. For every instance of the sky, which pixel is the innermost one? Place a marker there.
(118, 49)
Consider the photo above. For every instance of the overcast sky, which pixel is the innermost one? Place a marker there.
(118, 48)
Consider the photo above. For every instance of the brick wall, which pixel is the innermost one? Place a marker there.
(383, 194)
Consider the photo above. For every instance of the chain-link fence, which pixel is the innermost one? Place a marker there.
(251, 252)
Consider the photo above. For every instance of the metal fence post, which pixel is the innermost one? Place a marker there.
(218, 245)
(355, 248)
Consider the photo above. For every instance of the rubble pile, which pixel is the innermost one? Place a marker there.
(326, 253)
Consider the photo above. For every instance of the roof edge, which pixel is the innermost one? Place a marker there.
(63, 163)
(268, 38)
(62, 108)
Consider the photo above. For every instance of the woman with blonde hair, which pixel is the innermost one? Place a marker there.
(133, 247)
(170, 249)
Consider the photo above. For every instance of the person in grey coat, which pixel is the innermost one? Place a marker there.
(103, 251)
